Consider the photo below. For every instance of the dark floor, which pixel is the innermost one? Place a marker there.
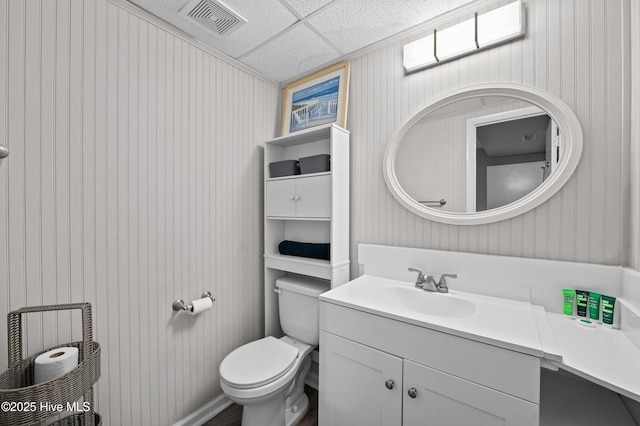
(232, 416)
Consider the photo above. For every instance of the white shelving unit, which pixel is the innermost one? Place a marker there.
(309, 208)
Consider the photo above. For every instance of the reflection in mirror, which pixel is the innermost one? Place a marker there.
(443, 153)
(478, 153)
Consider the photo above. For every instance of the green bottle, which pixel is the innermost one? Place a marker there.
(608, 305)
(582, 301)
(594, 306)
(569, 301)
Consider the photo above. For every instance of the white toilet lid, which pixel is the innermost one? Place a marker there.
(258, 363)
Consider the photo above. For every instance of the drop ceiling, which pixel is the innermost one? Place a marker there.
(283, 39)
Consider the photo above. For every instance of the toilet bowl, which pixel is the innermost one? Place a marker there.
(267, 376)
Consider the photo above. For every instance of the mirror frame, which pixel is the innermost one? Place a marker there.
(554, 106)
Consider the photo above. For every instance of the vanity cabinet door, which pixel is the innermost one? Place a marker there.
(434, 398)
(360, 386)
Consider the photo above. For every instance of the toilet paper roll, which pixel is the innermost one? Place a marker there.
(54, 363)
(200, 305)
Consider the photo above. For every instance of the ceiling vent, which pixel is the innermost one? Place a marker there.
(215, 16)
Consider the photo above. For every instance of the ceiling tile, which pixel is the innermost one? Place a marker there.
(266, 18)
(279, 44)
(353, 24)
(292, 53)
(307, 7)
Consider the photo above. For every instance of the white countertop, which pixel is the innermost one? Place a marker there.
(601, 354)
(500, 322)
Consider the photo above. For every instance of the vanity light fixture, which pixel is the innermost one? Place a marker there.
(456, 40)
(484, 30)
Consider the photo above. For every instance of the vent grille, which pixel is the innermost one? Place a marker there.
(215, 16)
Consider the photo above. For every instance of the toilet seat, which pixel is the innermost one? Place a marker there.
(258, 363)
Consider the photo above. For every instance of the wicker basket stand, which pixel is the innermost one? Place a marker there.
(17, 387)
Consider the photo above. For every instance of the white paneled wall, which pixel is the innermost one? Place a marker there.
(134, 179)
(575, 49)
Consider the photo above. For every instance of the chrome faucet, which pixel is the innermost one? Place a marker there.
(432, 282)
(423, 279)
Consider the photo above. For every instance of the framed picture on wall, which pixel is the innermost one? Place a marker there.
(318, 99)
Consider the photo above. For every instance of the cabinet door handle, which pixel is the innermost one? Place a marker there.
(413, 392)
(292, 198)
(389, 384)
(297, 197)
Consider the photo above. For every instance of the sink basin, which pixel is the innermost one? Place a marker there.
(428, 303)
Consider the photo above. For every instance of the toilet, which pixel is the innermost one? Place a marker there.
(267, 376)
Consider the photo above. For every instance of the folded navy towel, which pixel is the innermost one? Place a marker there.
(313, 250)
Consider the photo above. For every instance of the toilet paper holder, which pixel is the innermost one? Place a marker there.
(179, 304)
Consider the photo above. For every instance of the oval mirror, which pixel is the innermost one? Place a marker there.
(483, 154)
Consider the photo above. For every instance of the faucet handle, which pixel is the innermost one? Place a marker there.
(421, 277)
(442, 284)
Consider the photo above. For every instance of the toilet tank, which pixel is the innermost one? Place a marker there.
(299, 307)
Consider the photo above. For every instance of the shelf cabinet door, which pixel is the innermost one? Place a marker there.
(306, 197)
(360, 386)
(441, 399)
(279, 200)
(314, 196)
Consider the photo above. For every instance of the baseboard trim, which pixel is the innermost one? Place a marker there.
(206, 412)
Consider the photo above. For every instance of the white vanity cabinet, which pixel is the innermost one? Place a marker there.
(306, 208)
(380, 371)
(473, 358)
